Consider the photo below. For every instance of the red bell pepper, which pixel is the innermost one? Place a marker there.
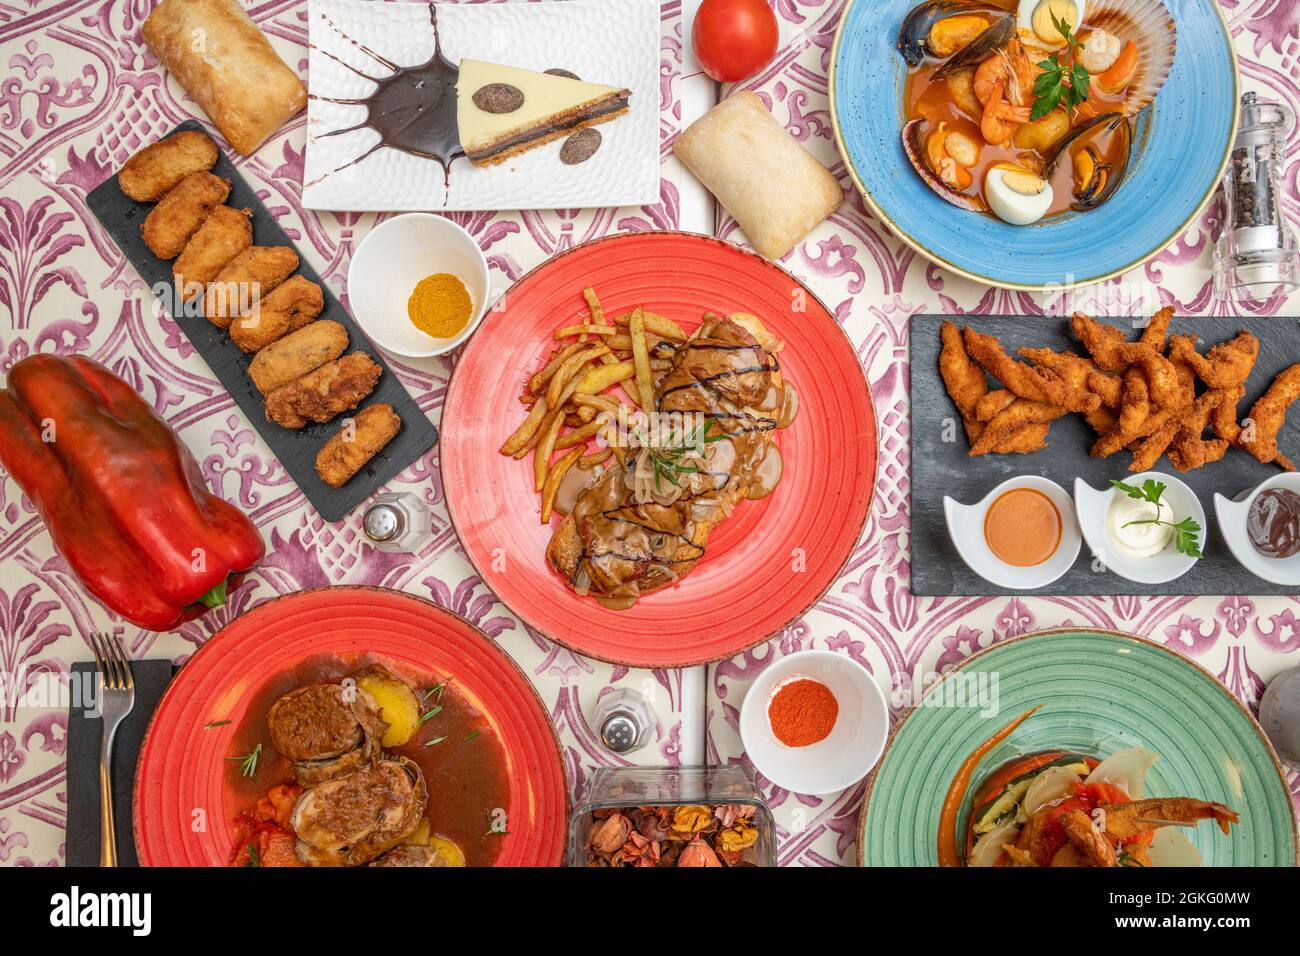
(122, 496)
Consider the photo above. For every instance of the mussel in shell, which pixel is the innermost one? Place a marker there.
(919, 144)
(996, 37)
(922, 35)
(1096, 177)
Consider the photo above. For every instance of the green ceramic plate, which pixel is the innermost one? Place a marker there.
(1098, 692)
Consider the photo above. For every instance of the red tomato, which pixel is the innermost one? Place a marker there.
(734, 39)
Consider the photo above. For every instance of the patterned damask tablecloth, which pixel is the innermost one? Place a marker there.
(81, 93)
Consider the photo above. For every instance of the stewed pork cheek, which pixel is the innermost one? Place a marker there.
(353, 819)
(644, 521)
(326, 730)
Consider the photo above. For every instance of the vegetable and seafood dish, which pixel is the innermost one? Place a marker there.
(689, 440)
(1059, 809)
(1025, 109)
(369, 769)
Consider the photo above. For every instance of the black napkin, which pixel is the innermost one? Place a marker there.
(84, 734)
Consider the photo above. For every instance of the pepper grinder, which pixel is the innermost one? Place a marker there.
(1256, 256)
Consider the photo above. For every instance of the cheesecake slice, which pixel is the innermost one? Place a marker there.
(504, 110)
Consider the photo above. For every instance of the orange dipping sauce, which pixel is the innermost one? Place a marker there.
(1023, 527)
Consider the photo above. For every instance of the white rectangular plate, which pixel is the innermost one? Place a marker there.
(615, 42)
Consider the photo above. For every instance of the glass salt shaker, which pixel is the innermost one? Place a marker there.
(625, 719)
(1279, 715)
(397, 521)
(1256, 256)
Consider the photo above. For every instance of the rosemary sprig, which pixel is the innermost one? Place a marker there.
(435, 740)
(248, 762)
(429, 714)
(471, 735)
(667, 460)
(1187, 533)
(215, 724)
(254, 858)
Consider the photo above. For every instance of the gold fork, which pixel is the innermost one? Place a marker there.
(116, 699)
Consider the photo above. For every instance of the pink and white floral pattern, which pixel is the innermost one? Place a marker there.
(81, 93)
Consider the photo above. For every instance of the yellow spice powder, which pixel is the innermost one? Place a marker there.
(440, 305)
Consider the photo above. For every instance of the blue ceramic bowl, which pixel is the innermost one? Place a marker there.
(1181, 148)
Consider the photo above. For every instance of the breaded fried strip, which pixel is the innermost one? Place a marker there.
(1026, 381)
(289, 307)
(1269, 414)
(1017, 415)
(963, 379)
(1226, 365)
(155, 170)
(224, 234)
(347, 452)
(178, 215)
(321, 395)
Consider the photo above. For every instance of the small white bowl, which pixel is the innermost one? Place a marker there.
(396, 255)
(1232, 516)
(1093, 504)
(850, 750)
(966, 528)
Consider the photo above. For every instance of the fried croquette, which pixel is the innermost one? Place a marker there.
(224, 234)
(321, 395)
(244, 280)
(297, 354)
(288, 308)
(155, 170)
(356, 443)
(181, 212)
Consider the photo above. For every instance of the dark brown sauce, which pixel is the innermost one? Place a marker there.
(1273, 523)
(466, 777)
(413, 109)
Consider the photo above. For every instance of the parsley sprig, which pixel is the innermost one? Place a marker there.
(1060, 82)
(1187, 533)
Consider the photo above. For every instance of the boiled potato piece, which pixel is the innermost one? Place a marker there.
(448, 853)
(961, 87)
(1043, 134)
(398, 706)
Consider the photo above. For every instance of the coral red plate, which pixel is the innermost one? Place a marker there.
(767, 563)
(183, 775)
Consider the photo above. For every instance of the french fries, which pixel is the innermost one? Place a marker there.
(657, 324)
(596, 380)
(542, 453)
(641, 358)
(526, 430)
(553, 479)
(598, 367)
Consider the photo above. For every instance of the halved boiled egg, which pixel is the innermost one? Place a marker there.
(1035, 26)
(1016, 195)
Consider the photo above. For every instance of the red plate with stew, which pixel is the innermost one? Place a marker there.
(767, 563)
(492, 756)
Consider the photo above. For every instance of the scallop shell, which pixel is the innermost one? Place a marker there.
(912, 147)
(1150, 25)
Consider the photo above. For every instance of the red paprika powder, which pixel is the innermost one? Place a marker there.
(802, 712)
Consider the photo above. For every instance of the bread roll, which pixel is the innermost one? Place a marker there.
(225, 62)
(773, 187)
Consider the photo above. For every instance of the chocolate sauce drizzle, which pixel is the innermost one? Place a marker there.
(413, 108)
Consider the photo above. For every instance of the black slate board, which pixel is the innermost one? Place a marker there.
(943, 468)
(296, 449)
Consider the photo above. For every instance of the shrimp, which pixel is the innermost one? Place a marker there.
(1013, 64)
(1001, 118)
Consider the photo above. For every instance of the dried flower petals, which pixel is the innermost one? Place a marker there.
(684, 835)
(692, 819)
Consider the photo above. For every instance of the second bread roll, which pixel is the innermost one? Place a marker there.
(773, 187)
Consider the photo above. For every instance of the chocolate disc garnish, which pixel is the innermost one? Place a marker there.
(579, 147)
(498, 98)
(557, 71)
